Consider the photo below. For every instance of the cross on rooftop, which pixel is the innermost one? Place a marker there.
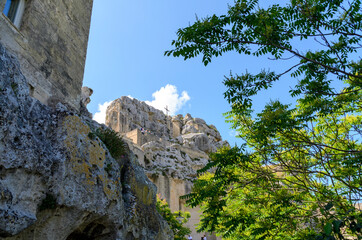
(166, 108)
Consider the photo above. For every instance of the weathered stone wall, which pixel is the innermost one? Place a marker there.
(51, 46)
(139, 138)
(135, 136)
(58, 181)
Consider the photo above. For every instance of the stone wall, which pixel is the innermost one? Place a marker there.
(51, 45)
(171, 189)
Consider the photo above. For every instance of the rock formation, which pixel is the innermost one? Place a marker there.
(59, 181)
(85, 99)
(171, 149)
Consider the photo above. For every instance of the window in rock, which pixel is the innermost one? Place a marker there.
(14, 10)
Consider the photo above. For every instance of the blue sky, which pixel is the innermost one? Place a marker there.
(7, 7)
(126, 57)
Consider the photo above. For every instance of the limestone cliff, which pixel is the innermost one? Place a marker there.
(59, 181)
(176, 146)
(171, 149)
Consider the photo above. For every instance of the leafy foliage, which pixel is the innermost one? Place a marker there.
(298, 176)
(112, 140)
(177, 226)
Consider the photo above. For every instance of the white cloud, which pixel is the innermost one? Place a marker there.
(100, 116)
(168, 96)
(233, 133)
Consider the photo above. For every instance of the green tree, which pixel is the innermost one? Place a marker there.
(176, 220)
(298, 175)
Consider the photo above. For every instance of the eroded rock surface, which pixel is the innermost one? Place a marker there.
(58, 181)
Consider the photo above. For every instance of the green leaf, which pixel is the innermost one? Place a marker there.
(328, 229)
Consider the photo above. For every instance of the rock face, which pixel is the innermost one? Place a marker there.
(176, 146)
(171, 149)
(58, 181)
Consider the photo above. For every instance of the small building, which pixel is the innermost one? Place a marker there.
(49, 39)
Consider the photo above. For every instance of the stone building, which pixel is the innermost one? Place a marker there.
(49, 38)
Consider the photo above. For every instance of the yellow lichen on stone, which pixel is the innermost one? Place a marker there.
(142, 191)
(75, 126)
(84, 153)
(111, 194)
